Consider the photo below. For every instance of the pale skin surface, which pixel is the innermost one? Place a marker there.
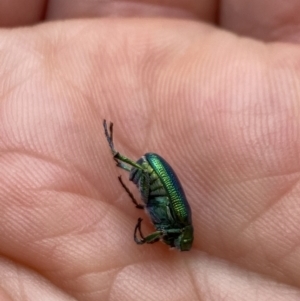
(220, 103)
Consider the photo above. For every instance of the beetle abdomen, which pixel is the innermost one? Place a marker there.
(147, 181)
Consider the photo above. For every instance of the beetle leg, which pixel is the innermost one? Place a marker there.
(109, 135)
(144, 186)
(138, 228)
(117, 156)
(137, 205)
(173, 231)
(149, 239)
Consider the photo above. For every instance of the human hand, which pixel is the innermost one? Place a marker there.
(221, 108)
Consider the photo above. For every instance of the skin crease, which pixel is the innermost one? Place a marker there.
(221, 106)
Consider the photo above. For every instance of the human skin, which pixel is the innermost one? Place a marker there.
(212, 87)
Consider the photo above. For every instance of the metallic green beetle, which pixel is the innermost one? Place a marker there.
(163, 198)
